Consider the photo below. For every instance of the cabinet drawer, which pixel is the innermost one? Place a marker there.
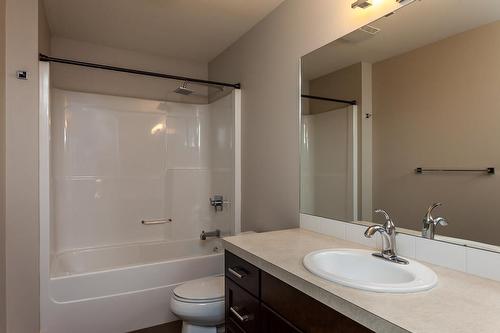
(242, 273)
(242, 308)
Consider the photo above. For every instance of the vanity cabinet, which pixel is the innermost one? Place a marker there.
(257, 302)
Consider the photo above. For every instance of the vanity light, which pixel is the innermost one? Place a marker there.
(361, 4)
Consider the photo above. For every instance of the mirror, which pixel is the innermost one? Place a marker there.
(405, 112)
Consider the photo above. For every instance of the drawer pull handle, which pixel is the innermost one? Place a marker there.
(239, 275)
(242, 318)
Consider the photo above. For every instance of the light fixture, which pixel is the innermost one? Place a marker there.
(361, 4)
(157, 128)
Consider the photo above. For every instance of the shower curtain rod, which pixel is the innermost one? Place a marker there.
(330, 99)
(46, 58)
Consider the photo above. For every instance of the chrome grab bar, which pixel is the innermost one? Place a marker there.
(156, 221)
(236, 273)
(242, 318)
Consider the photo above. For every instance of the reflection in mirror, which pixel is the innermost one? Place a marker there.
(404, 113)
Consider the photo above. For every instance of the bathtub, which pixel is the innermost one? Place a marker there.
(124, 288)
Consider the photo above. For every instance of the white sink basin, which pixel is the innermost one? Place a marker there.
(359, 269)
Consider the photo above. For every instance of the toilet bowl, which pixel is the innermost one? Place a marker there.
(199, 304)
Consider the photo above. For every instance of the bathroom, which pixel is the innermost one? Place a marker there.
(266, 166)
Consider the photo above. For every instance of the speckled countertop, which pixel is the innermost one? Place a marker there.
(459, 303)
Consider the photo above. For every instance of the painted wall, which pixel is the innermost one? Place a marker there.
(2, 166)
(22, 234)
(43, 30)
(446, 116)
(266, 61)
(342, 84)
(122, 84)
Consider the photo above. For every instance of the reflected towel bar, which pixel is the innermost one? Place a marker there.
(157, 221)
(489, 171)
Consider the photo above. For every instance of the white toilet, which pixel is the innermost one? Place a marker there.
(200, 304)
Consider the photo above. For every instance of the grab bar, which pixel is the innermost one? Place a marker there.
(156, 221)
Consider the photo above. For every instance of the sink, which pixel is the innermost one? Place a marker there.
(361, 270)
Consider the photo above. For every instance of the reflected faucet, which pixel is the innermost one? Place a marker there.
(430, 223)
(388, 233)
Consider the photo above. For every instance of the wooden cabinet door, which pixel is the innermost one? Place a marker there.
(274, 323)
(303, 311)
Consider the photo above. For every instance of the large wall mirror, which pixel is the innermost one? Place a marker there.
(403, 113)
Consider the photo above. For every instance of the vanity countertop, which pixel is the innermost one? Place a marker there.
(459, 303)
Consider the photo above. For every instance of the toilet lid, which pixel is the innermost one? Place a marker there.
(205, 289)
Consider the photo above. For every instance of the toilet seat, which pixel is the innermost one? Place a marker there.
(198, 301)
(204, 290)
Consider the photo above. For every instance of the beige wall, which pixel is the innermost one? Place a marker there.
(43, 30)
(22, 240)
(122, 84)
(343, 84)
(2, 166)
(266, 62)
(437, 106)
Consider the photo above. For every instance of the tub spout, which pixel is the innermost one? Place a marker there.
(204, 235)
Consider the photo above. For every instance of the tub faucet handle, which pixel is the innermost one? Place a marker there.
(218, 202)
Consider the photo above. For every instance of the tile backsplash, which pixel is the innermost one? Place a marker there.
(458, 257)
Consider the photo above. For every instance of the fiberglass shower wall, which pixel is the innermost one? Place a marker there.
(328, 175)
(117, 161)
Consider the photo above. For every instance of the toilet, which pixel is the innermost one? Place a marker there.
(199, 304)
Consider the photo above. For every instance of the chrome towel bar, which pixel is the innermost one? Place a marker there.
(156, 221)
(490, 171)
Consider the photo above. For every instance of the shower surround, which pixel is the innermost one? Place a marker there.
(109, 163)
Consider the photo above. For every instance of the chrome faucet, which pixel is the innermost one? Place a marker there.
(430, 223)
(204, 235)
(388, 233)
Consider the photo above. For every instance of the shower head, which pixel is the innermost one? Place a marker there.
(183, 89)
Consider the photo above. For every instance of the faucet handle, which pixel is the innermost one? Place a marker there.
(441, 221)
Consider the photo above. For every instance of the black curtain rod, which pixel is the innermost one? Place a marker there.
(43, 57)
(330, 99)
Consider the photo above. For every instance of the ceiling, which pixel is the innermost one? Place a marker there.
(418, 24)
(188, 29)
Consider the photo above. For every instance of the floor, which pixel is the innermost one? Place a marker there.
(173, 327)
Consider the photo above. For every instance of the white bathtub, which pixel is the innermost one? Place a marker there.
(124, 288)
